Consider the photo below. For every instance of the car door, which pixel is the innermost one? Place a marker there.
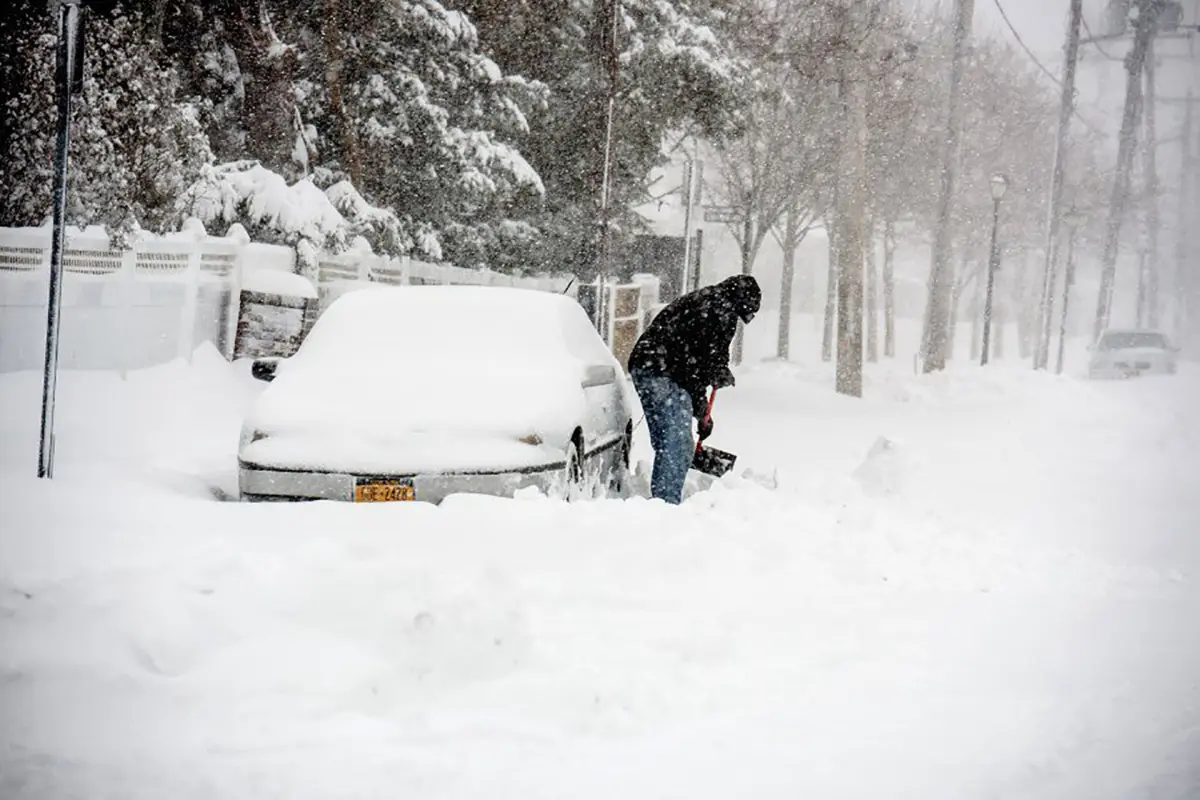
(607, 414)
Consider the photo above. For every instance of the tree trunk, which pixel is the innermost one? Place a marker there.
(791, 235)
(268, 71)
(999, 321)
(830, 293)
(968, 274)
(872, 296)
(959, 284)
(1026, 325)
(752, 239)
(977, 320)
(934, 335)
(850, 246)
(889, 288)
(335, 64)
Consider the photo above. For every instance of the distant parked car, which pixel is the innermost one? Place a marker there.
(1128, 353)
(415, 393)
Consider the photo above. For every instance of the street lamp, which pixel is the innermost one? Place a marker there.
(998, 185)
(1073, 218)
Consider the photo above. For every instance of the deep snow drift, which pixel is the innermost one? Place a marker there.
(998, 602)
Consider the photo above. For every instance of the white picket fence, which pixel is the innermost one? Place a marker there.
(342, 272)
(121, 309)
(165, 296)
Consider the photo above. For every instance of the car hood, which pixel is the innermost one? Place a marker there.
(421, 415)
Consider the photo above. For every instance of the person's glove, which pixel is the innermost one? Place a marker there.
(724, 379)
(704, 428)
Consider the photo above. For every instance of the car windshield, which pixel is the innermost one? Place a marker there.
(1132, 339)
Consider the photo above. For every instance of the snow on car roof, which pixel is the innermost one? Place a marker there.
(426, 322)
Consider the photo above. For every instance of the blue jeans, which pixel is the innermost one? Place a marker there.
(668, 410)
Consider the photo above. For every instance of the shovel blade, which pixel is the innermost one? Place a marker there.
(712, 461)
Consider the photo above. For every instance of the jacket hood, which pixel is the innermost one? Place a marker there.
(744, 294)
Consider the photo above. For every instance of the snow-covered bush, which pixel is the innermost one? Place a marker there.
(301, 214)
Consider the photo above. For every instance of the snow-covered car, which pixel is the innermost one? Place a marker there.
(1121, 353)
(415, 393)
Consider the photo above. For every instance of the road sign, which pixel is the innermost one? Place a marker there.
(722, 214)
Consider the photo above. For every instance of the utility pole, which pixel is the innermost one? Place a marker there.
(1073, 220)
(1183, 230)
(1066, 108)
(1148, 279)
(937, 309)
(998, 186)
(1147, 18)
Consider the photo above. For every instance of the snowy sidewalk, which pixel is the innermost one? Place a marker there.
(1002, 606)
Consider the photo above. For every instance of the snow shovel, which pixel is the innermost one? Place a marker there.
(710, 460)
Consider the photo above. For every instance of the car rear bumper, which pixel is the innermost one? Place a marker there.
(1131, 370)
(261, 483)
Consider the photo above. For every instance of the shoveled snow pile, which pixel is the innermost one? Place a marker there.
(1000, 603)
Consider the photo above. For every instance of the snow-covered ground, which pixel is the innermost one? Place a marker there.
(1002, 603)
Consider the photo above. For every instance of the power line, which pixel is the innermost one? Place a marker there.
(1042, 67)
(1092, 41)
(1024, 47)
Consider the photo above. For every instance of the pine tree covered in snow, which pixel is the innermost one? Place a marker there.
(676, 74)
(394, 98)
(134, 147)
(414, 125)
(424, 123)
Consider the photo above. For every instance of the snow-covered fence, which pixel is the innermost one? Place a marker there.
(122, 309)
(342, 272)
(165, 296)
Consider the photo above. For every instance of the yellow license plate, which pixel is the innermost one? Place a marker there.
(384, 492)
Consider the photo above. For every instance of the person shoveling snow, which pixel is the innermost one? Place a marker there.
(683, 353)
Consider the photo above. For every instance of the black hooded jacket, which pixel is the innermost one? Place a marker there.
(689, 340)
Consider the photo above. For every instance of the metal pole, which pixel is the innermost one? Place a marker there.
(612, 65)
(689, 195)
(1068, 281)
(1066, 109)
(68, 28)
(993, 263)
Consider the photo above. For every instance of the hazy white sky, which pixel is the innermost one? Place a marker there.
(1042, 25)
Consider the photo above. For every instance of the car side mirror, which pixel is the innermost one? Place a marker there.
(263, 369)
(600, 375)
